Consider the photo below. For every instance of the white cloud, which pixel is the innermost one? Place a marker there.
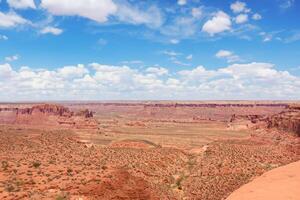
(100, 11)
(102, 42)
(181, 27)
(189, 57)
(177, 62)
(157, 71)
(241, 18)
(21, 4)
(294, 36)
(174, 41)
(181, 2)
(236, 81)
(254, 70)
(108, 74)
(5, 71)
(228, 55)
(171, 53)
(128, 13)
(72, 71)
(197, 12)
(256, 16)
(219, 23)
(223, 54)
(134, 62)
(11, 19)
(3, 37)
(238, 7)
(266, 37)
(51, 30)
(286, 4)
(92, 9)
(11, 58)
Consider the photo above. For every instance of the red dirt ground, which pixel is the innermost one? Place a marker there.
(141, 151)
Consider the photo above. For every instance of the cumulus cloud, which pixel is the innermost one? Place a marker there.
(241, 18)
(51, 30)
(95, 10)
(5, 71)
(72, 71)
(256, 16)
(11, 19)
(219, 23)
(238, 7)
(99, 81)
(157, 71)
(189, 57)
(101, 11)
(181, 2)
(228, 55)
(174, 41)
(128, 13)
(21, 4)
(181, 27)
(197, 12)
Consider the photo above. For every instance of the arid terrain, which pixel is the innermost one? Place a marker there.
(142, 150)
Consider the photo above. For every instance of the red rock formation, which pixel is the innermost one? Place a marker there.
(277, 184)
(50, 109)
(288, 120)
(238, 122)
(85, 113)
(48, 115)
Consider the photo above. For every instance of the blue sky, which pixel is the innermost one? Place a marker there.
(127, 49)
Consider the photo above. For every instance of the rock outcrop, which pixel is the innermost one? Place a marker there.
(288, 120)
(277, 184)
(240, 122)
(48, 115)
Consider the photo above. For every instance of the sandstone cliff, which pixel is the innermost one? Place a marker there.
(288, 120)
(48, 115)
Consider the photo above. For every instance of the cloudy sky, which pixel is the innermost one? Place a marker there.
(149, 49)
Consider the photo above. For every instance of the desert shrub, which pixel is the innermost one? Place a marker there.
(10, 188)
(4, 165)
(61, 197)
(69, 171)
(36, 164)
(179, 181)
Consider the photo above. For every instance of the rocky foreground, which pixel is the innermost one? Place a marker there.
(277, 184)
(43, 163)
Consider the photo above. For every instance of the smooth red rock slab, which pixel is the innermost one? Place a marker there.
(282, 183)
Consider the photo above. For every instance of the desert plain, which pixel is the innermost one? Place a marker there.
(144, 149)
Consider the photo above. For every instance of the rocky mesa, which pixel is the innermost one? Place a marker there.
(287, 120)
(48, 115)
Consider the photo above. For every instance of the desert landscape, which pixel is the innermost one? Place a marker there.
(142, 150)
(149, 100)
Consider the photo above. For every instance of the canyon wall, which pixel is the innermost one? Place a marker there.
(48, 115)
(287, 120)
